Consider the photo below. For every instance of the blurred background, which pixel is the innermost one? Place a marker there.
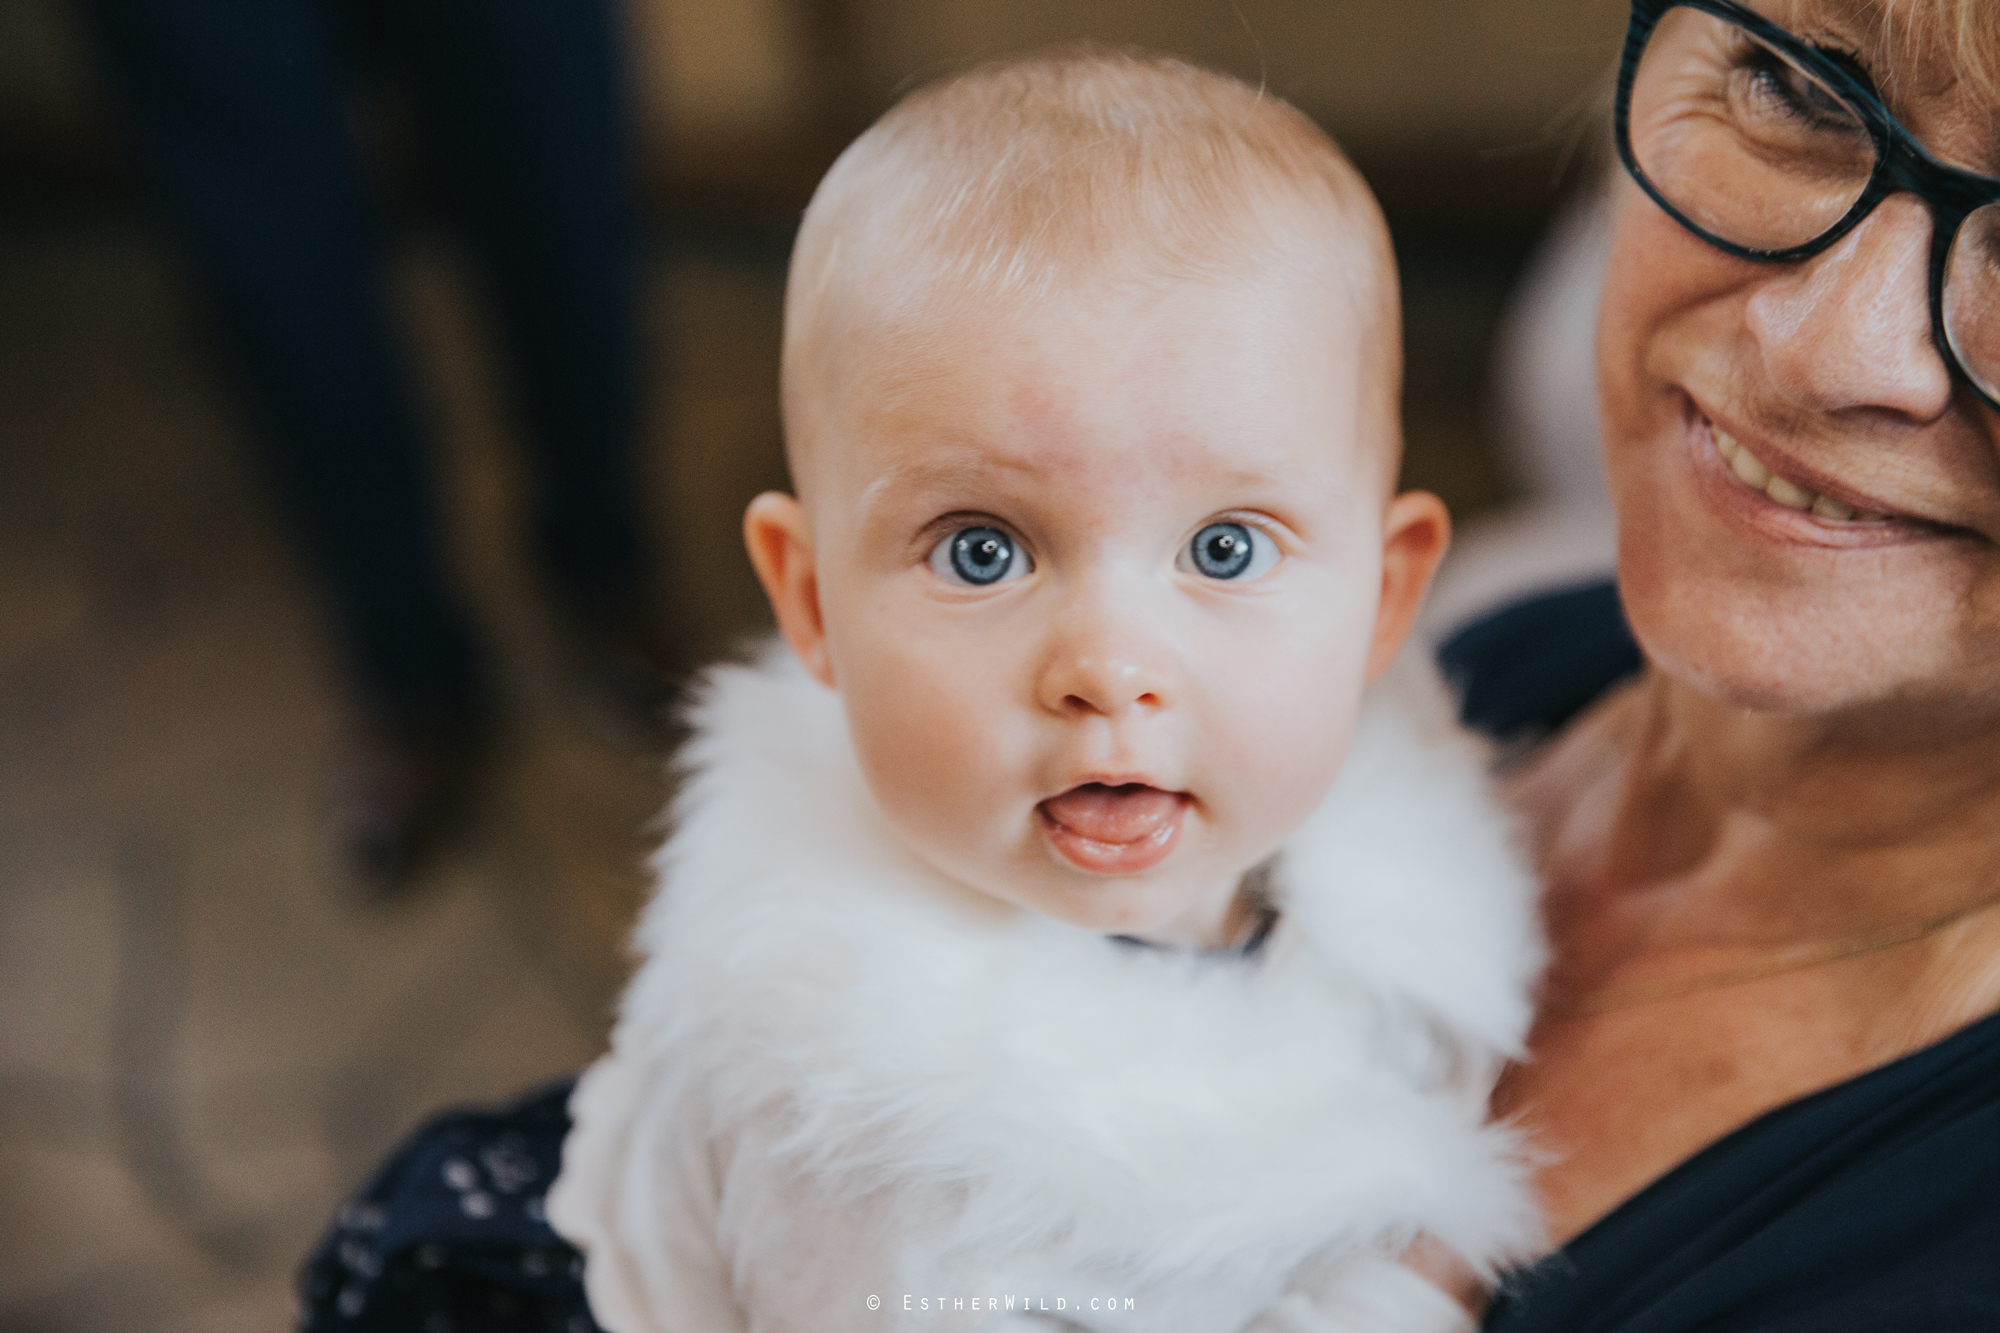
(210, 1026)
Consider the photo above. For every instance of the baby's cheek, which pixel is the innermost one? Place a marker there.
(1297, 767)
(930, 760)
(1286, 744)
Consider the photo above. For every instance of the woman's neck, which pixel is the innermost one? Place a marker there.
(1774, 828)
(1743, 910)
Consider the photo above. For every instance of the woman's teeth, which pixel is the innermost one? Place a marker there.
(1752, 473)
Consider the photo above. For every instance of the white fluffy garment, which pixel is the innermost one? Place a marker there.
(847, 1093)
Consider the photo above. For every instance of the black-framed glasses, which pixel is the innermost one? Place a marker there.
(1771, 149)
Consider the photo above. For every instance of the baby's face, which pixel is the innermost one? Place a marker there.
(1098, 583)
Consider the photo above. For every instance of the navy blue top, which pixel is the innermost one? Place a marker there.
(1874, 1205)
(1871, 1207)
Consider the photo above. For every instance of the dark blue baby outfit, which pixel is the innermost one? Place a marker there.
(449, 1235)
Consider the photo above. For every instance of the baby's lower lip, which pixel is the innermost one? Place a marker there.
(1114, 830)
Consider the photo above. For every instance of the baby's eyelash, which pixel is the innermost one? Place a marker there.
(1270, 527)
(944, 525)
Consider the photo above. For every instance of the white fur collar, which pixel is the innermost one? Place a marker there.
(1173, 1118)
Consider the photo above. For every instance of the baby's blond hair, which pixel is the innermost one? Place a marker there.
(1029, 177)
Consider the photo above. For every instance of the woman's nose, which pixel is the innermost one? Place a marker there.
(1103, 661)
(1851, 327)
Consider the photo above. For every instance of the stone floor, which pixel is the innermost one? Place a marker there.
(206, 1033)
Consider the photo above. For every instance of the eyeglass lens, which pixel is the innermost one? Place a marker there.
(1743, 142)
(1972, 298)
(1758, 152)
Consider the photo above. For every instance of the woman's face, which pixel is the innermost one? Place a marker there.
(1809, 503)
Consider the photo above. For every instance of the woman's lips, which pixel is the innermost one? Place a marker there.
(1114, 830)
(1743, 483)
(1752, 472)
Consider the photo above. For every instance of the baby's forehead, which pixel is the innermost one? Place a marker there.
(1310, 284)
(1116, 386)
(888, 272)
(902, 316)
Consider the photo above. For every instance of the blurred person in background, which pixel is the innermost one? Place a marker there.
(240, 117)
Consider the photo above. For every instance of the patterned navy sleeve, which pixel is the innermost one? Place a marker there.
(449, 1236)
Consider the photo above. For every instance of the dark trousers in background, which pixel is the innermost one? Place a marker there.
(239, 117)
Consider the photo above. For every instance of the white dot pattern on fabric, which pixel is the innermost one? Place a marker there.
(357, 1257)
(453, 1236)
(362, 1217)
(509, 1166)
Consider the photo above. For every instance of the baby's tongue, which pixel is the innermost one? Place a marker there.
(1113, 814)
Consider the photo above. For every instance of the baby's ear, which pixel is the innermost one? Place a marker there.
(781, 549)
(1415, 532)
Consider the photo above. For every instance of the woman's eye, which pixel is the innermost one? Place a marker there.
(977, 557)
(1798, 96)
(1229, 551)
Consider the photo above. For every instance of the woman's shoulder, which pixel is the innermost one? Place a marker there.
(1539, 677)
(1524, 669)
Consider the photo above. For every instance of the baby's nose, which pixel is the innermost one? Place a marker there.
(1107, 686)
(1100, 666)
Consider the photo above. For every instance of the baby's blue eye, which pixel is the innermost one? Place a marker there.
(978, 556)
(1230, 551)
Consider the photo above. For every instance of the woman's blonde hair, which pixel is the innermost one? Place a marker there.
(1968, 30)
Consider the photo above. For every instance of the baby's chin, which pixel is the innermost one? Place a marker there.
(1169, 905)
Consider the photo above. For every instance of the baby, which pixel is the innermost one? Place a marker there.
(1054, 933)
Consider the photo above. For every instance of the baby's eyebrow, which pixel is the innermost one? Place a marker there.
(975, 474)
(945, 468)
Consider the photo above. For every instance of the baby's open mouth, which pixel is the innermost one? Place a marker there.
(1114, 830)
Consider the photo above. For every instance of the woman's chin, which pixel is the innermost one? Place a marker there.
(1787, 649)
(1742, 675)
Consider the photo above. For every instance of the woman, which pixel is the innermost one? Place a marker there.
(1766, 1069)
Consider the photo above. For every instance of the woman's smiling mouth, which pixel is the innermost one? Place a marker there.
(1114, 830)
(1774, 497)
(1752, 472)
